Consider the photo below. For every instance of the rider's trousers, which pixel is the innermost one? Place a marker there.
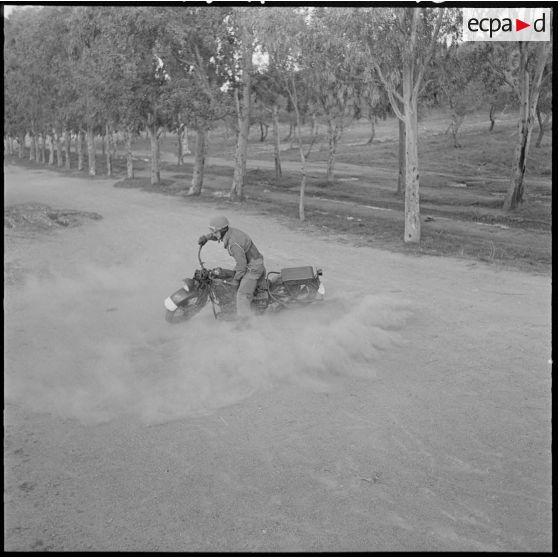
(247, 287)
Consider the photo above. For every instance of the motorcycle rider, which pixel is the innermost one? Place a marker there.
(249, 261)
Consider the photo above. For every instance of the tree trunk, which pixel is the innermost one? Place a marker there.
(243, 115)
(412, 208)
(59, 161)
(112, 146)
(91, 151)
(542, 126)
(289, 135)
(402, 165)
(32, 145)
(276, 143)
(185, 146)
(67, 152)
(21, 146)
(42, 157)
(492, 117)
(37, 148)
(180, 138)
(108, 150)
(332, 148)
(314, 125)
(264, 128)
(301, 212)
(155, 154)
(372, 129)
(199, 163)
(239, 176)
(293, 134)
(301, 200)
(79, 148)
(514, 195)
(50, 150)
(456, 121)
(129, 158)
(529, 97)
(294, 99)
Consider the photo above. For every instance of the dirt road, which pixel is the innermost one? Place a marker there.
(411, 413)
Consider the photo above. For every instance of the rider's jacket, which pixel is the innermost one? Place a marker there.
(243, 250)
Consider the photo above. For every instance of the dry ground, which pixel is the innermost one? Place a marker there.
(410, 413)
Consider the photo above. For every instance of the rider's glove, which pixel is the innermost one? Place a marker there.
(202, 240)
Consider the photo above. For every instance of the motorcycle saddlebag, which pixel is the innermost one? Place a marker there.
(297, 275)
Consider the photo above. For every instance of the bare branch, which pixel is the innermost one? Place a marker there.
(506, 76)
(393, 95)
(542, 54)
(398, 112)
(414, 26)
(311, 144)
(387, 85)
(425, 85)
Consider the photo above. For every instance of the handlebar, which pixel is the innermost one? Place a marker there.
(216, 272)
(199, 256)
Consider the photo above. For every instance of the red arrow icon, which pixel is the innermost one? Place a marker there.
(519, 25)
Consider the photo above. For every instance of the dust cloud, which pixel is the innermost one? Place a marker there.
(92, 345)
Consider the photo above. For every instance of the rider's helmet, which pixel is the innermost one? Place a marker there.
(218, 225)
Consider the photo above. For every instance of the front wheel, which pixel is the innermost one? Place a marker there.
(186, 311)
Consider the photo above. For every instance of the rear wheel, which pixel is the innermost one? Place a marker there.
(186, 311)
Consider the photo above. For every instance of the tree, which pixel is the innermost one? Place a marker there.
(15, 77)
(491, 61)
(87, 68)
(25, 83)
(521, 67)
(530, 68)
(331, 73)
(270, 94)
(414, 33)
(198, 58)
(290, 60)
(544, 106)
(457, 79)
(242, 93)
(139, 39)
(371, 101)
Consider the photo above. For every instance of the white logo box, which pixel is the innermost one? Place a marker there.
(499, 24)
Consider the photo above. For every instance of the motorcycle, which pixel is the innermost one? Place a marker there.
(276, 291)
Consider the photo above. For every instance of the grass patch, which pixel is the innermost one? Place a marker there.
(164, 186)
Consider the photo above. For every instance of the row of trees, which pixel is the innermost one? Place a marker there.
(81, 71)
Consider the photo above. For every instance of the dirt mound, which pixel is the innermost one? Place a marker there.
(39, 217)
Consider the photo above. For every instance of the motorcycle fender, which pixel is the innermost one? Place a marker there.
(178, 298)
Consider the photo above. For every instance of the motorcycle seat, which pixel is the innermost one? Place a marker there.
(297, 274)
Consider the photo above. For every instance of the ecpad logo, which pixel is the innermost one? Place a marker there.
(506, 24)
